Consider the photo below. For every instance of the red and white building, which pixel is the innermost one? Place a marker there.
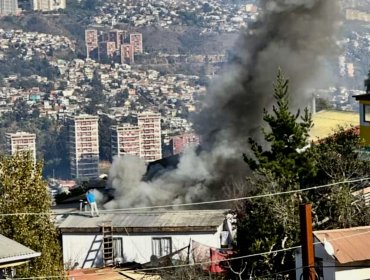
(127, 54)
(91, 41)
(84, 146)
(21, 142)
(150, 130)
(126, 140)
(136, 40)
(106, 49)
(180, 142)
(143, 140)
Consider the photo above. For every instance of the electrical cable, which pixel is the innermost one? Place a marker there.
(122, 210)
(207, 262)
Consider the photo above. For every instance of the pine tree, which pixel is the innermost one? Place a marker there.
(22, 190)
(286, 137)
(272, 222)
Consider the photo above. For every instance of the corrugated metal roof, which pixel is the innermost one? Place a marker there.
(154, 219)
(12, 251)
(350, 244)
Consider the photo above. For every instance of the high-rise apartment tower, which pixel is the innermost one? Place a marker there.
(84, 146)
(126, 140)
(21, 142)
(136, 40)
(142, 140)
(91, 41)
(48, 5)
(8, 7)
(150, 131)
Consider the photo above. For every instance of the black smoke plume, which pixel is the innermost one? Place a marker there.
(297, 36)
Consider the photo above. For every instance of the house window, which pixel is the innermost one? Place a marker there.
(366, 113)
(161, 246)
(117, 248)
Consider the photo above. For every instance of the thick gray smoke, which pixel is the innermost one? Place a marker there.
(295, 35)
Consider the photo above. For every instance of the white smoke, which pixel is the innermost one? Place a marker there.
(185, 184)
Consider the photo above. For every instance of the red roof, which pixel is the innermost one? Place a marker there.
(350, 244)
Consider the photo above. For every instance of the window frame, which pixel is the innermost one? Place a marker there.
(364, 119)
(161, 250)
(114, 240)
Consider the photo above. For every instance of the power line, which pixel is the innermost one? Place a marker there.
(207, 262)
(260, 254)
(120, 210)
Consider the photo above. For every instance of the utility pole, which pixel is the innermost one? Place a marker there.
(308, 253)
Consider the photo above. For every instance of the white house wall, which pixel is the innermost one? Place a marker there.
(136, 248)
(330, 271)
(353, 274)
(328, 262)
(76, 247)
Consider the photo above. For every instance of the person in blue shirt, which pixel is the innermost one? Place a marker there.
(92, 202)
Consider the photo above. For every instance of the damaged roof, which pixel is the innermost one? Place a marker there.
(349, 244)
(154, 221)
(12, 251)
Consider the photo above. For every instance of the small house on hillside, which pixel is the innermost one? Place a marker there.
(13, 254)
(340, 254)
(139, 237)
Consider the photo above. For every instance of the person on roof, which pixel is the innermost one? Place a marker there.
(92, 202)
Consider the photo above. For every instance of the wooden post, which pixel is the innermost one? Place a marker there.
(308, 254)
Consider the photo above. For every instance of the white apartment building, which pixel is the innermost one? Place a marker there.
(84, 146)
(8, 7)
(143, 140)
(150, 130)
(21, 142)
(48, 5)
(126, 140)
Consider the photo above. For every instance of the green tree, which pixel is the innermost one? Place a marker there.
(121, 97)
(286, 136)
(207, 8)
(24, 191)
(323, 104)
(21, 110)
(337, 159)
(272, 222)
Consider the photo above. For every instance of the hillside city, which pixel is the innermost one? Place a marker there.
(84, 82)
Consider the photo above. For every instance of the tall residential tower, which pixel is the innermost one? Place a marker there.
(21, 142)
(150, 131)
(143, 140)
(8, 7)
(126, 140)
(84, 146)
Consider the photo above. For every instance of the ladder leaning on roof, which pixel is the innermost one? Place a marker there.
(93, 252)
(107, 230)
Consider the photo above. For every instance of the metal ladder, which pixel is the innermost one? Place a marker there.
(107, 230)
(93, 252)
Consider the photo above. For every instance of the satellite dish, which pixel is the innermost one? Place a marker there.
(329, 248)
